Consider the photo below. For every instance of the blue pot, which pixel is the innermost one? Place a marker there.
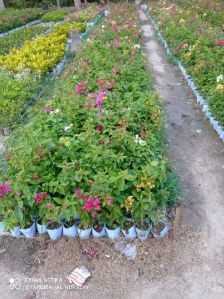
(113, 233)
(84, 233)
(143, 234)
(56, 233)
(41, 228)
(15, 231)
(2, 227)
(29, 232)
(100, 234)
(131, 233)
(70, 232)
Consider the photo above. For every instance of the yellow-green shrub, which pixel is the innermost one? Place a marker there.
(42, 54)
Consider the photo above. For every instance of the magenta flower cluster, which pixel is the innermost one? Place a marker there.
(5, 188)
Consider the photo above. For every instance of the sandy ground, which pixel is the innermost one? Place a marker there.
(191, 265)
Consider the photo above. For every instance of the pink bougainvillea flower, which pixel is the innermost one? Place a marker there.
(96, 204)
(116, 27)
(93, 214)
(117, 41)
(84, 197)
(80, 87)
(91, 251)
(92, 95)
(44, 195)
(102, 142)
(220, 42)
(110, 202)
(99, 100)
(120, 127)
(78, 192)
(99, 128)
(36, 177)
(48, 109)
(87, 207)
(38, 198)
(5, 188)
(90, 183)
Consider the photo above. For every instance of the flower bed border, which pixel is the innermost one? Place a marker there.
(121, 232)
(200, 99)
(36, 22)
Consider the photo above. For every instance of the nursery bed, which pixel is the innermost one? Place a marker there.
(94, 149)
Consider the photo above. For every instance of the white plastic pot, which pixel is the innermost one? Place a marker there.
(2, 227)
(55, 233)
(29, 232)
(15, 231)
(131, 233)
(100, 234)
(113, 233)
(41, 228)
(84, 233)
(71, 231)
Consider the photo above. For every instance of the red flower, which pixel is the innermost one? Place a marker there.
(220, 42)
(44, 195)
(110, 202)
(38, 198)
(78, 192)
(99, 128)
(90, 183)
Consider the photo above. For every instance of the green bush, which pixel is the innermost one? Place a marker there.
(18, 38)
(11, 18)
(54, 16)
(15, 90)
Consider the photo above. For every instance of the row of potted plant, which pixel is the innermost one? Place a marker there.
(95, 147)
(30, 63)
(73, 229)
(194, 32)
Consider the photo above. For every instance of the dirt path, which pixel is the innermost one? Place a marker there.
(191, 266)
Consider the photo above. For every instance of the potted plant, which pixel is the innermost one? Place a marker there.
(140, 217)
(129, 229)
(99, 229)
(114, 220)
(84, 225)
(70, 227)
(27, 226)
(41, 226)
(160, 227)
(50, 216)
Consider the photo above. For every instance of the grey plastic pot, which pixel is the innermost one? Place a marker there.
(143, 234)
(131, 233)
(163, 232)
